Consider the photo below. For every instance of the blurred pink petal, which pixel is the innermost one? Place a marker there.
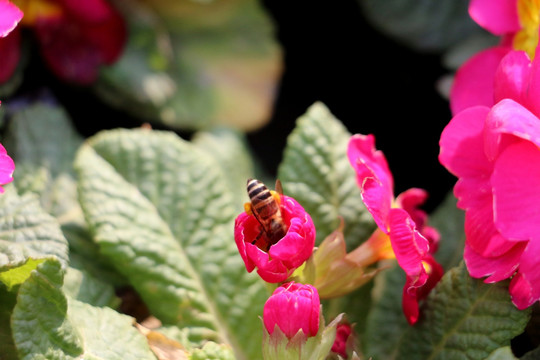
(497, 16)
(10, 15)
(10, 54)
(525, 285)
(7, 166)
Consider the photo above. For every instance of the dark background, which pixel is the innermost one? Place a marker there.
(368, 81)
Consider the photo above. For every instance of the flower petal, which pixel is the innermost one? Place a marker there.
(497, 16)
(373, 177)
(525, 285)
(10, 48)
(409, 245)
(7, 166)
(462, 152)
(474, 81)
(10, 15)
(495, 268)
(509, 117)
(512, 76)
(516, 191)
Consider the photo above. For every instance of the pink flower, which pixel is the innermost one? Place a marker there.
(293, 307)
(494, 151)
(75, 38)
(10, 15)
(517, 22)
(6, 168)
(282, 258)
(400, 219)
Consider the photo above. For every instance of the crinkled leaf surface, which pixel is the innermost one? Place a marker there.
(44, 166)
(162, 213)
(463, 318)
(315, 171)
(230, 149)
(82, 286)
(191, 65)
(422, 24)
(28, 232)
(48, 325)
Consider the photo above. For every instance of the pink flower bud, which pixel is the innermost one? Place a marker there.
(293, 307)
(343, 332)
(278, 262)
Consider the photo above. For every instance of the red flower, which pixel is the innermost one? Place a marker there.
(293, 307)
(343, 332)
(285, 256)
(6, 168)
(75, 37)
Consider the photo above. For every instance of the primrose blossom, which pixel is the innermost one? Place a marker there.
(282, 258)
(75, 37)
(400, 222)
(517, 23)
(495, 153)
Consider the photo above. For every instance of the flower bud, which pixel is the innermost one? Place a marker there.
(293, 307)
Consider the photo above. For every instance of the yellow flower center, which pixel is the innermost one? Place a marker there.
(529, 17)
(34, 9)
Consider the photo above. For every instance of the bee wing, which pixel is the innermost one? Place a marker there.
(279, 188)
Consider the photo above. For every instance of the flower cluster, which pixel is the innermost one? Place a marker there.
(492, 145)
(75, 38)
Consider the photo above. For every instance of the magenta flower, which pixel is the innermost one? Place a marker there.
(75, 38)
(517, 22)
(282, 258)
(293, 307)
(6, 168)
(400, 219)
(494, 151)
(10, 15)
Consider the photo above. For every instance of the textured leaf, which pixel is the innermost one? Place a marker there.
(81, 286)
(200, 69)
(316, 172)
(28, 232)
(7, 303)
(47, 325)
(386, 324)
(162, 213)
(422, 24)
(464, 318)
(230, 149)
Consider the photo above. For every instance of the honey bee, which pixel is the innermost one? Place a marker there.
(265, 206)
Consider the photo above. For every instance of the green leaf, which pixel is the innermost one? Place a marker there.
(44, 164)
(162, 213)
(464, 318)
(386, 323)
(213, 351)
(201, 69)
(504, 353)
(82, 286)
(423, 24)
(7, 303)
(230, 149)
(47, 325)
(315, 171)
(450, 222)
(28, 232)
